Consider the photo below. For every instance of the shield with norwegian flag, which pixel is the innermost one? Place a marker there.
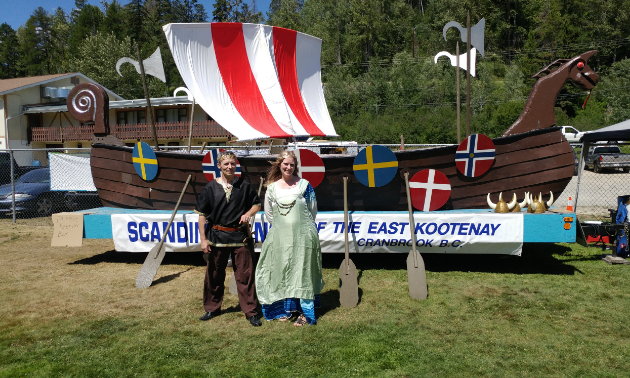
(475, 155)
(429, 189)
(210, 168)
(310, 166)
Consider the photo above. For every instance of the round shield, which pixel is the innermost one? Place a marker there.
(144, 161)
(310, 166)
(375, 166)
(209, 165)
(429, 189)
(474, 155)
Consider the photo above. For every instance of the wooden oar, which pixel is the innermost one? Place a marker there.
(416, 275)
(348, 283)
(232, 287)
(156, 255)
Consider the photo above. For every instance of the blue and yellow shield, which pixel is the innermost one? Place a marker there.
(144, 161)
(375, 166)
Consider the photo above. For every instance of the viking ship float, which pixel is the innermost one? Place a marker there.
(260, 81)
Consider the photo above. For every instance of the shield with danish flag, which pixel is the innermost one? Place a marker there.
(210, 168)
(429, 189)
(475, 155)
(310, 166)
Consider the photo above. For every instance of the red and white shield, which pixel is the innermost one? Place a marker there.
(310, 166)
(430, 189)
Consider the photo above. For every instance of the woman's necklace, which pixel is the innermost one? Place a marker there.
(286, 207)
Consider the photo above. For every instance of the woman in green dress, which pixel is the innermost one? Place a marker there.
(289, 271)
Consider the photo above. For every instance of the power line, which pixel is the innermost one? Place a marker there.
(598, 44)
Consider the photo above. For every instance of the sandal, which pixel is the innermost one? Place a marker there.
(283, 319)
(301, 320)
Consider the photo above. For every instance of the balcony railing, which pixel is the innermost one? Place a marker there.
(165, 130)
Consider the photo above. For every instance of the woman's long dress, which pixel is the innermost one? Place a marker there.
(289, 271)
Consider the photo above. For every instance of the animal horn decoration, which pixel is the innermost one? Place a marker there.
(462, 60)
(540, 205)
(512, 204)
(499, 207)
(531, 204)
(520, 205)
(152, 65)
(476, 33)
(550, 202)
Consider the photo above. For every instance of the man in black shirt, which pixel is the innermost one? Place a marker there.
(227, 204)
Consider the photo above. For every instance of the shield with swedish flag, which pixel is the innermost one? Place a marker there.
(144, 161)
(375, 166)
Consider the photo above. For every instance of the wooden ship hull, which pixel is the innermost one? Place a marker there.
(536, 161)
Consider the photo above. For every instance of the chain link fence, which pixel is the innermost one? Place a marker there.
(602, 182)
(34, 183)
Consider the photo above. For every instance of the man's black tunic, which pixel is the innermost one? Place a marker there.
(213, 205)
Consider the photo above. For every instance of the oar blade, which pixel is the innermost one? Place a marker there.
(348, 284)
(416, 276)
(150, 267)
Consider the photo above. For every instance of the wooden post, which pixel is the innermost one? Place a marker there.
(468, 75)
(459, 100)
(192, 113)
(146, 95)
(402, 142)
(413, 42)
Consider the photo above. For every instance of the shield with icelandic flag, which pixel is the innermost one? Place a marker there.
(310, 166)
(475, 155)
(429, 189)
(210, 168)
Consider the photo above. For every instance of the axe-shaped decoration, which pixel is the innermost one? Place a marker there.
(462, 59)
(152, 65)
(477, 33)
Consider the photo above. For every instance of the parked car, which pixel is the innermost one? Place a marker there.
(33, 196)
(600, 157)
(571, 134)
(75, 200)
(5, 168)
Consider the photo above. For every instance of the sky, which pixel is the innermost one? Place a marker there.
(16, 12)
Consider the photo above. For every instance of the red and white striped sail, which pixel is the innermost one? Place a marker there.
(257, 81)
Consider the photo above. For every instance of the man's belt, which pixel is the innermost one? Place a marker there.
(230, 229)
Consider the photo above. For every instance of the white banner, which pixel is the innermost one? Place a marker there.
(70, 172)
(478, 233)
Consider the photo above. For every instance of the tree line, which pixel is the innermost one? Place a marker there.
(379, 77)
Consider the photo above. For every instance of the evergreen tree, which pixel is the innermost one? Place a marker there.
(36, 44)
(114, 21)
(189, 11)
(86, 21)
(135, 14)
(222, 11)
(286, 14)
(9, 52)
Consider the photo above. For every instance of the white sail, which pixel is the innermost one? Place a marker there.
(256, 81)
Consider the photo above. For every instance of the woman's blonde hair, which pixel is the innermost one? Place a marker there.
(274, 173)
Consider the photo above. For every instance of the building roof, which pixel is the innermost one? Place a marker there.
(11, 85)
(137, 103)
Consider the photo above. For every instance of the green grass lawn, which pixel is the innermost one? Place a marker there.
(558, 310)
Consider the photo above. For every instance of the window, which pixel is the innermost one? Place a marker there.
(173, 143)
(131, 117)
(160, 115)
(171, 115)
(183, 114)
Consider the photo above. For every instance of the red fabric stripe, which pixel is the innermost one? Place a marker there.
(239, 81)
(284, 41)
